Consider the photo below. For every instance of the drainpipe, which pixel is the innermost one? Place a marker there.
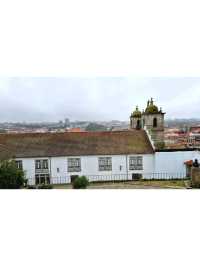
(127, 166)
(50, 172)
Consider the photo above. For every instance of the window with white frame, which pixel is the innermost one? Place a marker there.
(74, 165)
(105, 164)
(19, 164)
(41, 165)
(136, 163)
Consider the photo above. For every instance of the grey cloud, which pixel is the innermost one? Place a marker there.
(51, 99)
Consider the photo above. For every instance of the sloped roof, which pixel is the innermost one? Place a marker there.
(74, 144)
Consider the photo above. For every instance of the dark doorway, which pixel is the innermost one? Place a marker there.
(138, 124)
(136, 177)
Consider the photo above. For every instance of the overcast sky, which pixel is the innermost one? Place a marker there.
(52, 99)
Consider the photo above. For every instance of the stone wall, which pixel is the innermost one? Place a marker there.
(195, 177)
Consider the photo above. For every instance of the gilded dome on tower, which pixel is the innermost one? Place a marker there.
(136, 113)
(151, 108)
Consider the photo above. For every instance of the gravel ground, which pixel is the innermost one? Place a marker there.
(180, 184)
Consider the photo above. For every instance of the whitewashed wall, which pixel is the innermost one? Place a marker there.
(173, 162)
(168, 163)
(90, 167)
(29, 167)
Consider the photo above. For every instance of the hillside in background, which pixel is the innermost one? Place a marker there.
(182, 123)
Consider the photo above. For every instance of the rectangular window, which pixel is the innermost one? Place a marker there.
(45, 164)
(105, 164)
(74, 165)
(38, 164)
(41, 164)
(136, 163)
(19, 164)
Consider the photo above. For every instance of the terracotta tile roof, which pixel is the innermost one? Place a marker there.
(74, 144)
(75, 129)
(189, 163)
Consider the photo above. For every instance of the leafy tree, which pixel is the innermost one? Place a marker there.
(10, 176)
(160, 145)
(95, 127)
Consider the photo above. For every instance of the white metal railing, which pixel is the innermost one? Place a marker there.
(117, 177)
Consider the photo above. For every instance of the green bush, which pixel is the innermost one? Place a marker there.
(80, 182)
(73, 178)
(10, 176)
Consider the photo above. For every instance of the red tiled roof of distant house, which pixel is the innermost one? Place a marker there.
(189, 163)
(195, 129)
(75, 130)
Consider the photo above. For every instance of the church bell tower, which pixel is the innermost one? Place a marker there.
(136, 119)
(152, 120)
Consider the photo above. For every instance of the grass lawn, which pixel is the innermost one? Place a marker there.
(142, 184)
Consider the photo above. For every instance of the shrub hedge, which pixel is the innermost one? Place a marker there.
(80, 182)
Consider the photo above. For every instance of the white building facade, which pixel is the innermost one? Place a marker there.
(60, 170)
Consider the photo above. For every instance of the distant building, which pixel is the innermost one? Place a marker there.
(175, 138)
(178, 138)
(67, 122)
(194, 137)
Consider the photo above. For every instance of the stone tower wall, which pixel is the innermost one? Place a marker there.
(157, 133)
(149, 121)
(134, 122)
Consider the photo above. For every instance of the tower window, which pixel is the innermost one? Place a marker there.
(155, 122)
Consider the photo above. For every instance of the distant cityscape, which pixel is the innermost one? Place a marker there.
(179, 133)
(62, 126)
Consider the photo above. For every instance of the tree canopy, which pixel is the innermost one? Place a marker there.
(10, 176)
(95, 127)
